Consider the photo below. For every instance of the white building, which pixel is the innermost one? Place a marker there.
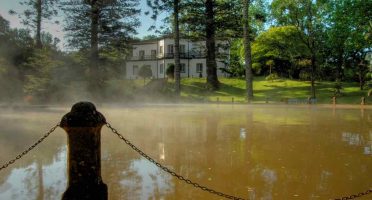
(159, 55)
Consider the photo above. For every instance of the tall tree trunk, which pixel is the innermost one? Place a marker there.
(39, 45)
(247, 51)
(177, 64)
(94, 76)
(361, 68)
(212, 79)
(313, 67)
(340, 63)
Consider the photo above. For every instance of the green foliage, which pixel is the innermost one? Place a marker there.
(347, 40)
(38, 82)
(35, 14)
(117, 22)
(170, 71)
(337, 88)
(236, 68)
(305, 75)
(272, 77)
(278, 46)
(257, 68)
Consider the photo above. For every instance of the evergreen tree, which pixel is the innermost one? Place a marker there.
(97, 25)
(210, 43)
(35, 13)
(247, 51)
(174, 7)
(213, 20)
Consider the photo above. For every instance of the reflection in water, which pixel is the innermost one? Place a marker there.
(269, 176)
(254, 152)
(368, 147)
(29, 183)
(352, 138)
(355, 139)
(146, 180)
(243, 134)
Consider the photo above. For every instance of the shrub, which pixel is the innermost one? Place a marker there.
(170, 71)
(272, 77)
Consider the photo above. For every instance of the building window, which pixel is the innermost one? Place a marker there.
(183, 68)
(142, 54)
(199, 67)
(135, 70)
(161, 68)
(182, 48)
(153, 53)
(161, 49)
(170, 48)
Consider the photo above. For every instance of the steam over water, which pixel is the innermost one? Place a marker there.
(254, 152)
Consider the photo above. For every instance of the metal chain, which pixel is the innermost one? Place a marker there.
(29, 148)
(354, 196)
(188, 181)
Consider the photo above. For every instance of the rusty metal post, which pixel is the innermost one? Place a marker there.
(83, 127)
(334, 100)
(363, 101)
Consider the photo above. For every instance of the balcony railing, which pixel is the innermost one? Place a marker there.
(189, 55)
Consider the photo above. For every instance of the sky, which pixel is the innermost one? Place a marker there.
(57, 30)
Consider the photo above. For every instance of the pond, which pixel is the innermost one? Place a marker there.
(255, 152)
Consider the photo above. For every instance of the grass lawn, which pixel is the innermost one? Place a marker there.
(277, 91)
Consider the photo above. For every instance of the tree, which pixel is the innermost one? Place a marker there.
(36, 12)
(282, 48)
(213, 20)
(145, 72)
(201, 20)
(96, 25)
(38, 78)
(210, 27)
(306, 16)
(168, 5)
(247, 51)
(347, 40)
(236, 68)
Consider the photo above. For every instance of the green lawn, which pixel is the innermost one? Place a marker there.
(277, 91)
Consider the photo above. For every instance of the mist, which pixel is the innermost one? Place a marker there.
(50, 76)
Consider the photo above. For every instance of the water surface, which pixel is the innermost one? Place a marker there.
(255, 152)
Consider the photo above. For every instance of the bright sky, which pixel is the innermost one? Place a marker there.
(57, 30)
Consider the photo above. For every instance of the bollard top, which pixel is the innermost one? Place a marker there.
(83, 114)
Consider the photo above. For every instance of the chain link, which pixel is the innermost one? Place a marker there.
(188, 181)
(354, 196)
(29, 148)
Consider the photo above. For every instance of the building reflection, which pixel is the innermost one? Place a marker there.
(368, 146)
(356, 139)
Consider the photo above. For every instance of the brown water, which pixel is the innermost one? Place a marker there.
(255, 152)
